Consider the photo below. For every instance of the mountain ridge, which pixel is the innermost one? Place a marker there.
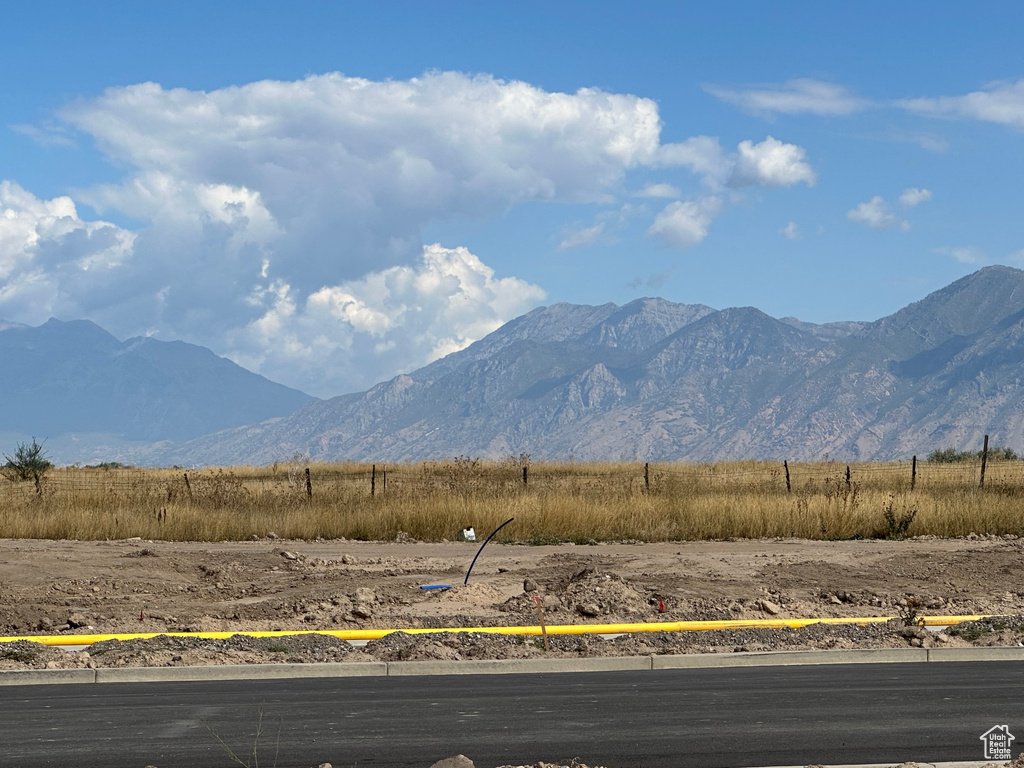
(653, 380)
(650, 380)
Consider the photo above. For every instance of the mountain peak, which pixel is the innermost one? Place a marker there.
(963, 308)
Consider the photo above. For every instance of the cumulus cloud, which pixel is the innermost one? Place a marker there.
(45, 248)
(684, 224)
(875, 213)
(702, 155)
(256, 197)
(395, 319)
(912, 196)
(790, 231)
(281, 222)
(793, 97)
(1001, 102)
(771, 164)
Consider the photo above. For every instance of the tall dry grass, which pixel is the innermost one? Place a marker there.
(560, 502)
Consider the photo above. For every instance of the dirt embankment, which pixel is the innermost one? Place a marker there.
(61, 587)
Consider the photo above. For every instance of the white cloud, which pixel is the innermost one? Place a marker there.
(49, 134)
(702, 155)
(1001, 102)
(579, 237)
(875, 213)
(396, 319)
(913, 196)
(793, 97)
(604, 230)
(658, 190)
(279, 220)
(256, 197)
(791, 231)
(965, 254)
(771, 164)
(45, 247)
(684, 224)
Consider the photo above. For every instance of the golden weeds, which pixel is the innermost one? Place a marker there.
(561, 501)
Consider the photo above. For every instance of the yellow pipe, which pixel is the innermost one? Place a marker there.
(563, 629)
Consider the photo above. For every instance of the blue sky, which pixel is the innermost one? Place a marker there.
(333, 193)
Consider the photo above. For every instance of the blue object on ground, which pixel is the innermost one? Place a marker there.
(437, 586)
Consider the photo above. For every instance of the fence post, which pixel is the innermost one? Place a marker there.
(188, 485)
(847, 477)
(913, 472)
(309, 486)
(525, 468)
(373, 480)
(785, 466)
(647, 476)
(984, 461)
(384, 479)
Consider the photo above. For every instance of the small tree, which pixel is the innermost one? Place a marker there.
(29, 462)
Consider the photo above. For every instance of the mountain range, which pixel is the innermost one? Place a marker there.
(655, 380)
(90, 395)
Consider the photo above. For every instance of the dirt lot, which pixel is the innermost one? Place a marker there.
(60, 587)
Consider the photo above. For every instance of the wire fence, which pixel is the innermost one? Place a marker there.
(470, 477)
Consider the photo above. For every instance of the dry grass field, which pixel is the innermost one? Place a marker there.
(559, 501)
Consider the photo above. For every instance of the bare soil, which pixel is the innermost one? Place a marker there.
(70, 587)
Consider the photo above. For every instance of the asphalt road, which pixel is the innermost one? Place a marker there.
(711, 718)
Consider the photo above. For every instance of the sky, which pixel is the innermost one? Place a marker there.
(332, 193)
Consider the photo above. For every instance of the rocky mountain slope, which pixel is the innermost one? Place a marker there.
(655, 380)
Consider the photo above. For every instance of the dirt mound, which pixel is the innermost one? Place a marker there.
(451, 646)
(591, 594)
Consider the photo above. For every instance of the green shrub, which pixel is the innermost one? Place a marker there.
(952, 455)
(29, 462)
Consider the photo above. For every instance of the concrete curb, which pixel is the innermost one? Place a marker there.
(512, 666)
(46, 676)
(508, 666)
(789, 658)
(995, 653)
(239, 672)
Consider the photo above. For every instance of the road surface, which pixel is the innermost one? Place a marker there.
(707, 718)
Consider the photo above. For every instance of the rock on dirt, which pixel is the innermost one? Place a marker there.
(459, 761)
(770, 608)
(364, 595)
